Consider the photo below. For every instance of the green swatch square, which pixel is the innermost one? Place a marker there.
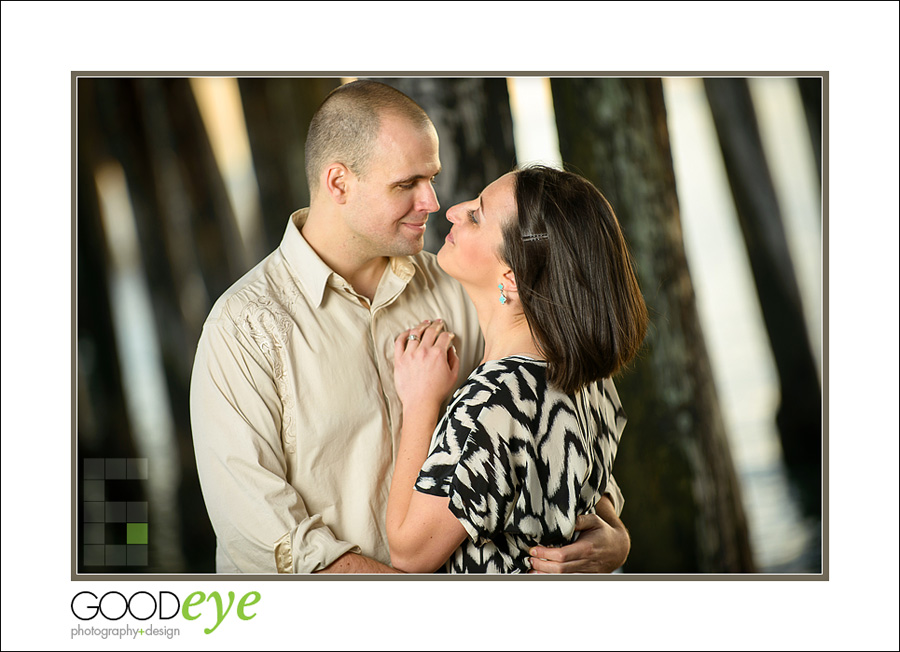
(137, 533)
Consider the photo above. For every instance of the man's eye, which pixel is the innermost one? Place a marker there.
(407, 186)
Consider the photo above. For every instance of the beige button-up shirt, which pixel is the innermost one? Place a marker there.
(293, 408)
(294, 413)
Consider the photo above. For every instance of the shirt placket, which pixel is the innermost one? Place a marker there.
(388, 292)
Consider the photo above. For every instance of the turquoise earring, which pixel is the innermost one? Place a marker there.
(502, 295)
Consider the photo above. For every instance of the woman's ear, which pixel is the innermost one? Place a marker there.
(509, 281)
(336, 177)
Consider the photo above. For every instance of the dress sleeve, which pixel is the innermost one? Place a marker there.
(472, 463)
(615, 495)
(616, 418)
(261, 522)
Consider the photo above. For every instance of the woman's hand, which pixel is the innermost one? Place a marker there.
(422, 531)
(425, 365)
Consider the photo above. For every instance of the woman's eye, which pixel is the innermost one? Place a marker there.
(472, 218)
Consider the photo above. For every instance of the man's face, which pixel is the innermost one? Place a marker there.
(389, 204)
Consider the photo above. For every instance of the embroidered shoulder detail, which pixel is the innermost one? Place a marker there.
(269, 324)
(289, 294)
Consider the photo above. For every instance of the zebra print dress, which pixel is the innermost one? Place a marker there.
(520, 461)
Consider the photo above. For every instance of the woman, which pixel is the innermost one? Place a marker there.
(528, 441)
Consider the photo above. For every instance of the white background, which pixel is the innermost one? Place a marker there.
(856, 42)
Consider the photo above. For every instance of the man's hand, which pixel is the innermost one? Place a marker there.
(602, 547)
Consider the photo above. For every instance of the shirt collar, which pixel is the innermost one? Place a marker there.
(314, 275)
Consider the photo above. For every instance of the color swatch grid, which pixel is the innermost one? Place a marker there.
(115, 529)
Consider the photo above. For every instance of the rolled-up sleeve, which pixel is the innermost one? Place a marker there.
(261, 521)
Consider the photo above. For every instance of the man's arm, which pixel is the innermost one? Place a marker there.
(261, 521)
(353, 563)
(602, 547)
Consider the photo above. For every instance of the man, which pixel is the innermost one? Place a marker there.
(293, 408)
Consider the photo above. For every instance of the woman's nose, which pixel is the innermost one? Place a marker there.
(453, 213)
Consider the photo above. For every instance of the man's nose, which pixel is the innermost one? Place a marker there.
(429, 200)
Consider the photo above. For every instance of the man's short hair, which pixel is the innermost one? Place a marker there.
(345, 127)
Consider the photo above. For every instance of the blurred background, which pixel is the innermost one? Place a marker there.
(183, 184)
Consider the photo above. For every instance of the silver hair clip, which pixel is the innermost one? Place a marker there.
(535, 236)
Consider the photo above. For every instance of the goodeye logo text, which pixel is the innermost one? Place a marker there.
(143, 606)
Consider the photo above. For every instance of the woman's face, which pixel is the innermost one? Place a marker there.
(471, 250)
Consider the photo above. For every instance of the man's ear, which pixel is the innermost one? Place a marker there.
(509, 281)
(335, 181)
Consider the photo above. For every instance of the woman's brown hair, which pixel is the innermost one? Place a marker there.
(575, 277)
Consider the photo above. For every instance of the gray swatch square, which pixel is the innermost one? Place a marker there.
(94, 533)
(94, 512)
(93, 555)
(94, 490)
(115, 512)
(137, 555)
(93, 468)
(137, 468)
(115, 468)
(115, 555)
(137, 512)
